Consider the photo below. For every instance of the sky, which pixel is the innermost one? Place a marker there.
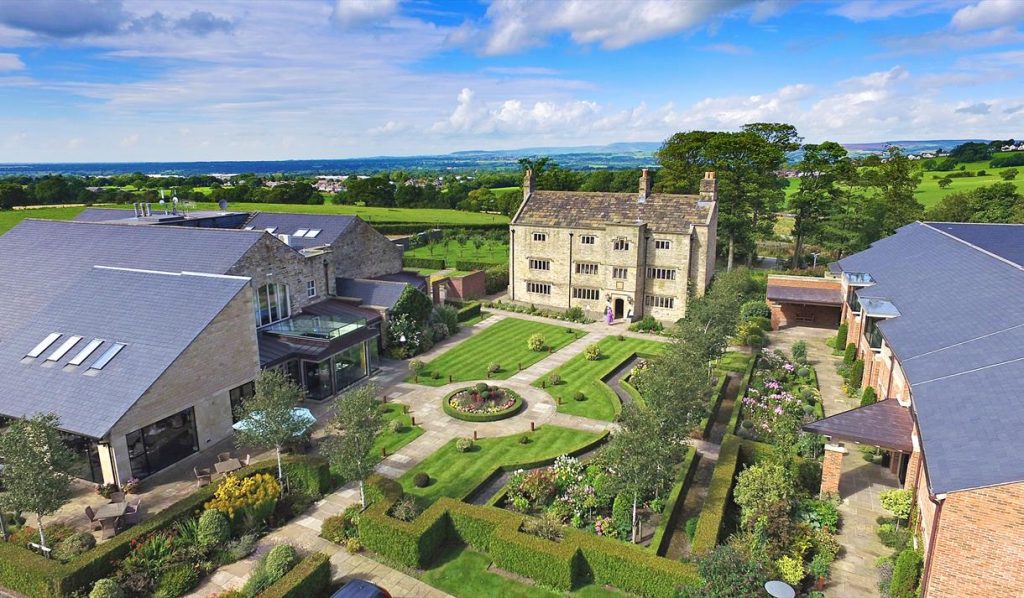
(191, 80)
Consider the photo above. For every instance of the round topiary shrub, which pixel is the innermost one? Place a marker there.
(435, 375)
(803, 371)
(554, 379)
(214, 530)
(747, 424)
(592, 353)
(579, 396)
(480, 386)
(396, 425)
(73, 545)
(106, 588)
(536, 342)
(485, 395)
(494, 367)
(524, 439)
(463, 444)
(421, 480)
(281, 559)
(416, 366)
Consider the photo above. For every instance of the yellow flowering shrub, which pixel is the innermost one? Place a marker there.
(256, 494)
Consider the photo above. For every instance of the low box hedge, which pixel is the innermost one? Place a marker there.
(469, 266)
(577, 558)
(517, 405)
(310, 578)
(712, 515)
(403, 228)
(673, 504)
(737, 406)
(469, 311)
(714, 403)
(431, 263)
(752, 451)
(27, 573)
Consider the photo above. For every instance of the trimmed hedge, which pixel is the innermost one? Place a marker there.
(481, 417)
(468, 312)
(469, 266)
(753, 452)
(712, 515)
(423, 262)
(310, 578)
(578, 558)
(26, 572)
(673, 503)
(402, 228)
(737, 406)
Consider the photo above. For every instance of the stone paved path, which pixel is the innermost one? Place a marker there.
(853, 574)
(425, 405)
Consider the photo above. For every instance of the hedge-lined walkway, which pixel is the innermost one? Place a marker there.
(853, 573)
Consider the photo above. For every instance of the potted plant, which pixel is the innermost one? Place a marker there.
(130, 486)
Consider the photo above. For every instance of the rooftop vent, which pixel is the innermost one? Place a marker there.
(286, 239)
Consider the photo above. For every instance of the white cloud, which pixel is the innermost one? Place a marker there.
(874, 10)
(726, 48)
(352, 13)
(515, 25)
(989, 13)
(10, 62)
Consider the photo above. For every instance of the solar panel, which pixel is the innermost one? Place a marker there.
(46, 342)
(64, 348)
(86, 352)
(313, 233)
(107, 356)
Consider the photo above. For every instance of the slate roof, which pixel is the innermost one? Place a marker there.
(883, 424)
(662, 212)
(960, 340)
(1003, 240)
(781, 293)
(378, 293)
(420, 282)
(103, 215)
(163, 314)
(42, 259)
(331, 226)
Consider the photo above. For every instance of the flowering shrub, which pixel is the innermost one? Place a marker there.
(490, 400)
(536, 342)
(256, 494)
(564, 492)
(779, 399)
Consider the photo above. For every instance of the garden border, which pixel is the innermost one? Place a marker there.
(708, 422)
(517, 406)
(737, 407)
(687, 470)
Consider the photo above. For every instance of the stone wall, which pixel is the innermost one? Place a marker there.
(221, 358)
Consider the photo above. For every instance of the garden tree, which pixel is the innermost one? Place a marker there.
(945, 182)
(482, 199)
(898, 502)
(639, 478)
(11, 195)
(372, 191)
(36, 465)
(600, 181)
(728, 573)
(537, 165)
(892, 186)
(556, 178)
(823, 167)
(998, 203)
(353, 430)
(414, 304)
(270, 414)
(749, 190)
(1009, 174)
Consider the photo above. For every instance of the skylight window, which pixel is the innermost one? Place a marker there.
(248, 228)
(38, 349)
(86, 352)
(313, 233)
(301, 232)
(271, 229)
(107, 356)
(64, 348)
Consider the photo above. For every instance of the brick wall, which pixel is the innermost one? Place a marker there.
(979, 549)
(832, 469)
(470, 286)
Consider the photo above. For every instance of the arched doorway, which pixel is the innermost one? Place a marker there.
(620, 308)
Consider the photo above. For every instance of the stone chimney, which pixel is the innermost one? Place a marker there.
(709, 187)
(645, 184)
(529, 183)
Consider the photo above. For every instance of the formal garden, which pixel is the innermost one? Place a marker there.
(580, 385)
(482, 403)
(498, 352)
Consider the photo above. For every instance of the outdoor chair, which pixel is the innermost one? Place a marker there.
(108, 528)
(117, 497)
(202, 477)
(222, 457)
(245, 462)
(132, 514)
(93, 522)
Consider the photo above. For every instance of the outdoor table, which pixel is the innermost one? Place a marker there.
(111, 510)
(227, 466)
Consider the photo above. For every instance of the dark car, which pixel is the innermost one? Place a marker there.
(358, 588)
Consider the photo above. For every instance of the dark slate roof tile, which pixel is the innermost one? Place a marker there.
(331, 226)
(379, 293)
(662, 212)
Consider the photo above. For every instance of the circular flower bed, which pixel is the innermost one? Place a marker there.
(482, 403)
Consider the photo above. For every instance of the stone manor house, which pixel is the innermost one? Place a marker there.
(629, 254)
(936, 312)
(143, 332)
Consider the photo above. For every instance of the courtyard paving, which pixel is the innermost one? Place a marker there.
(853, 574)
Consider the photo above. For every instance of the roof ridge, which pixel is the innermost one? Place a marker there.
(971, 245)
(152, 227)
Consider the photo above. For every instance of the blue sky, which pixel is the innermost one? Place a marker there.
(128, 80)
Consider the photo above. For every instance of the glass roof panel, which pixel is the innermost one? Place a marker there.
(86, 352)
(64, 348)
(317, 327)
(107, 356)
(46, 342)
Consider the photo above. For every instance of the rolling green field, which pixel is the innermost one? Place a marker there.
(492, 252)
(456, 474)
(463, 573)
(580, 375)
(503, 343)
(928, 191)
(373, 215)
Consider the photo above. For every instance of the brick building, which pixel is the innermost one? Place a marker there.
(937, 314)
(631, 254)
(143, 332)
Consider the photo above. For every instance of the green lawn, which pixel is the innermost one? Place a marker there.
(462, 572)
(10, 218)
(504, 343)
(578, 374)
(734, 361)
(392, 441)
(491, 251)
(456, 474)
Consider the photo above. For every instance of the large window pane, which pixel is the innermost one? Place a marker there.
(318, 379)
(87, 457)
(162, 444)
(349, 366)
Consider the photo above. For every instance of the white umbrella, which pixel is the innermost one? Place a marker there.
(298, 412)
